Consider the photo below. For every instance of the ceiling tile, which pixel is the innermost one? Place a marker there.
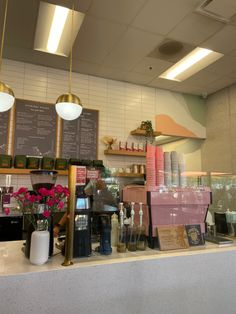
(223, 41)
(151, 66)
(163, 83)
(219, 84)
(202, 78)
(195, 28)
(133, 46)
(96, 38)
(223, 66)
(121, 11)
(160, 16)
(137, 78)
(194, 90)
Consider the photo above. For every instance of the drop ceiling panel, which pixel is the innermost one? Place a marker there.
(96, 38)
(138, 78)
(133, 46)
(224, 41)
(202, 78)
(219, 84)
(223, 66)
(121, 11)
(160, 16)
(224, 8)
(151, 66)
(195, 28)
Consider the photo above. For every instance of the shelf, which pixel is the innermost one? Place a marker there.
(160, 139)
(124, 153)
(127, 175)
(27, 171)
(140, 132)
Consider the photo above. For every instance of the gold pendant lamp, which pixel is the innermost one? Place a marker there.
(68, 106)
(7, 97)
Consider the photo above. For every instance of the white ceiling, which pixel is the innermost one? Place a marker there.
(118, 39)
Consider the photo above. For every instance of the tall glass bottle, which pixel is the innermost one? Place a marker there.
(132, 234)
(141, 234)
(121, 244)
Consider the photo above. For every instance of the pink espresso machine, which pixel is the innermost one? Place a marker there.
(163, 207)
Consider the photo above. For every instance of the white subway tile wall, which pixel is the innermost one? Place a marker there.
(122, 106)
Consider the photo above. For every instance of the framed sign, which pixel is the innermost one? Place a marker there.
(35, 128)
(172, 237)
(79, 138)
(194, 234)
(4, 131)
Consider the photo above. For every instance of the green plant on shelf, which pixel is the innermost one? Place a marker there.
(149, 132)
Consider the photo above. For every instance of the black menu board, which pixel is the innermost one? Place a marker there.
(80, 136)
(35, 128)
(4, 120)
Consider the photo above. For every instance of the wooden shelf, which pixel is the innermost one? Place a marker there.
(27, 171)
(127, 175)
(124, 153)
(161, 139)
(140, 132)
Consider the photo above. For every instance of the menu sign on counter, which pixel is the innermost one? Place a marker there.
(4, 119)
(80, 136)
(35, 129)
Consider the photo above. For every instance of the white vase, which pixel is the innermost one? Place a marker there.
(39, 247)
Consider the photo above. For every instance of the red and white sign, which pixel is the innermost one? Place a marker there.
(92, 174)
(80, 175)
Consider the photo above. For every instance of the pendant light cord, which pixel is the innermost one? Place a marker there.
(71, 46)
(3, 33)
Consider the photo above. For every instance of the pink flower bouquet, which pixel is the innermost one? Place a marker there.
(51, 201)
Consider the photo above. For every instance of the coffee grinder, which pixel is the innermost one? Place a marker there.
(82, 218)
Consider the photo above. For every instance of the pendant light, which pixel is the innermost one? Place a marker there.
(7, 97)
(68, 106)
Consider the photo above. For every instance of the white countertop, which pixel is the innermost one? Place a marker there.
(13, 261)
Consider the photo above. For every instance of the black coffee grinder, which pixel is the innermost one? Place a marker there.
(82, 224)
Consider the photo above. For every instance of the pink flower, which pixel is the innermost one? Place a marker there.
(66, 191)
(43, 192)
(22, 191)
(46, 213)
(51, 193)
(59, 189)
(60, 204)
(39, 197)
(7, 210)
(50, 202)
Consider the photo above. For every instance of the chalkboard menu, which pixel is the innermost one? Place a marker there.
(4, 119)
(35, 129)
(79, 137)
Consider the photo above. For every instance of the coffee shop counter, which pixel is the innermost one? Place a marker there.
(198, 280)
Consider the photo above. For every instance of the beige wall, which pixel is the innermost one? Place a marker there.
(219, 148)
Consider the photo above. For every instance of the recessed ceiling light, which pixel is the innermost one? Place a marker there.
(53, 30)
(195, 61)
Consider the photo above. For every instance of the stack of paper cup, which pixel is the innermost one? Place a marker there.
(182, 169)
(174, 168)
(167, 169)
(159, 166)
(150, 168)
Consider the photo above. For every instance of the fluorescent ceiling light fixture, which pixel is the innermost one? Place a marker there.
(195, 61)
(58, 23)
(53, 30)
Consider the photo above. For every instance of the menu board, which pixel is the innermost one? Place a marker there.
(35, 129)
(4, 119)
(80, 136)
